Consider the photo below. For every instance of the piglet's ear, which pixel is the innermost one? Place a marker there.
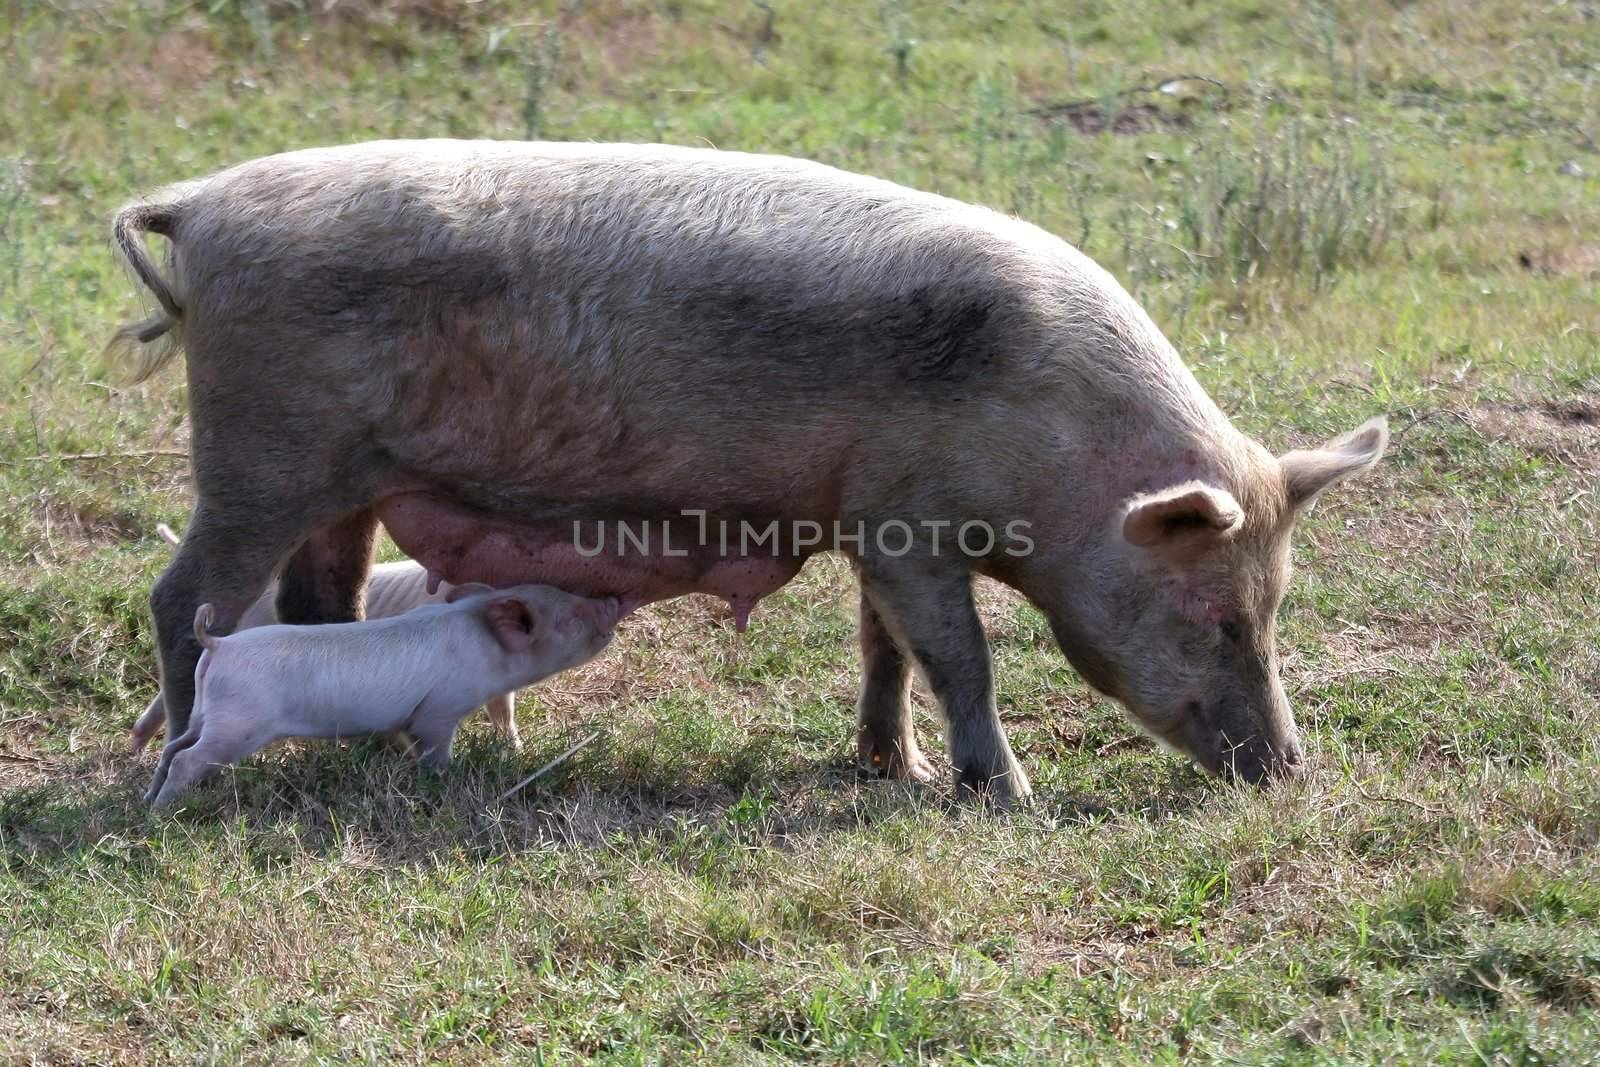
(465, 590)
(1183, 514)
(1308, 472)
(513, 623)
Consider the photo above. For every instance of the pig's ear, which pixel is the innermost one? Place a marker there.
(513, 623)
(465, 590)
(1183, 514)
(1307, 473)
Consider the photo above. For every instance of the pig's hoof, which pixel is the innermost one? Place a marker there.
(1006, 791)
(900, 761)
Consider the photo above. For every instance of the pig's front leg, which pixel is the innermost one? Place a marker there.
(931, 613)
(886, 742)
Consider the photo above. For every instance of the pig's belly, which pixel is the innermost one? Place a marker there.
(461, 546)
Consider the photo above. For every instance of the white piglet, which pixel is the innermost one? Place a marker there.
(421, 673)
(392, 589)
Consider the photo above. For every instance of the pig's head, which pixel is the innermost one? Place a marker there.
(541, 629)
(1180, 620)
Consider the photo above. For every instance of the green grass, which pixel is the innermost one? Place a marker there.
(711, 882)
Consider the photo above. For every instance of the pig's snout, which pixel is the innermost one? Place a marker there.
(1260, 763)
(1255, 759)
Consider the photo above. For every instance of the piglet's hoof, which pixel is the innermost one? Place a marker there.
(139, 737)
(402, 744)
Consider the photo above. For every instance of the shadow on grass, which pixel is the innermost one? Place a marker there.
(321, 800)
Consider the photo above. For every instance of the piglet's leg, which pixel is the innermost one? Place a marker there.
(175, 746)
(223, 743)
(502, 713)
(149, 724)
(435, 738)
(183, 771)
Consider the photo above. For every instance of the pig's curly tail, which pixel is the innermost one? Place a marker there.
(138, 340)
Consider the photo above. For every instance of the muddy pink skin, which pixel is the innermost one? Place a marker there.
(461, 547)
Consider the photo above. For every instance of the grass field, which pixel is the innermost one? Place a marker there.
(1326, 215)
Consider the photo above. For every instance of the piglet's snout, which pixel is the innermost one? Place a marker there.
(601, 615)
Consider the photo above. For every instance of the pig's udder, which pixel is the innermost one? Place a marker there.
(458, 546)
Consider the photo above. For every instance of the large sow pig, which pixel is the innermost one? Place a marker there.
(509, 353)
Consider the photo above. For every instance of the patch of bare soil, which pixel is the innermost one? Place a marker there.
(624, 40)
(1566, 431)
(1088, 116)
(1363, 652)
(79, 529)
(1138, 954)
(179, 63)
(21, 770)
(22, 766)
(996, 603)
(1580, 259)
(1167, 104)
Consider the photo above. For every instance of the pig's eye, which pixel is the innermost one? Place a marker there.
(1230, 630)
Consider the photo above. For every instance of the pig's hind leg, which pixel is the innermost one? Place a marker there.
(226, 559)
(150, 722)
(326, 578)
(280, 462)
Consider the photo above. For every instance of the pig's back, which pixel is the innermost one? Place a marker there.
(610, 324)
(625, 256)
